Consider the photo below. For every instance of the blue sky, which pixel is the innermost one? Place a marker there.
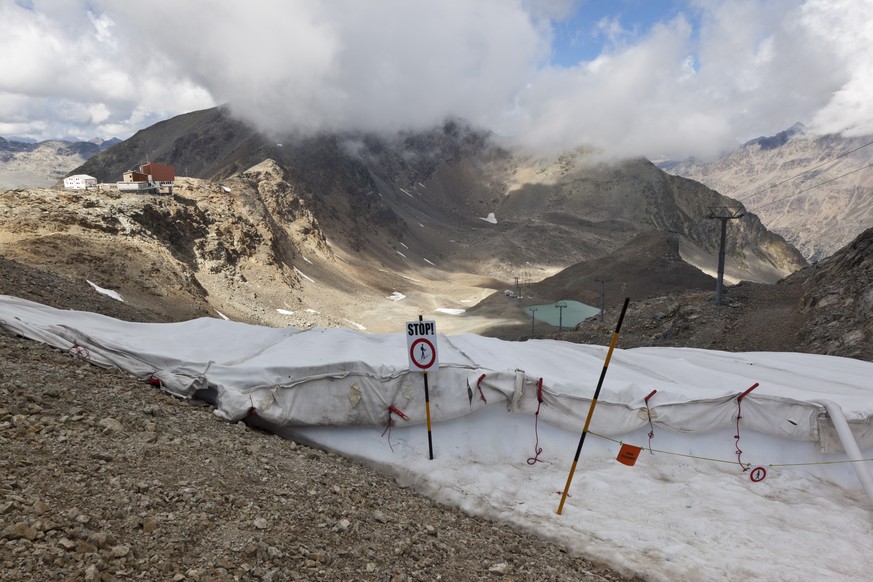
(661, 79)
(585, 32)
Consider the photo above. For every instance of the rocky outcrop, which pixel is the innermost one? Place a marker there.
(838, 300)
(826, 308)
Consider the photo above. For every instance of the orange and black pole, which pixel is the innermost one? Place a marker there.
(593, 404)
(427, 412)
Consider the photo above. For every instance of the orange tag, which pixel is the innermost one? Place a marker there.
(628, 455)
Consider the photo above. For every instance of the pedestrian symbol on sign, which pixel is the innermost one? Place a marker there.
(422, 354)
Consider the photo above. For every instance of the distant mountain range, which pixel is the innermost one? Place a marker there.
(30, 164)
(375, 191)
(816, 191)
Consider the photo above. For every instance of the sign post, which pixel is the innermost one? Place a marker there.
(421, 346)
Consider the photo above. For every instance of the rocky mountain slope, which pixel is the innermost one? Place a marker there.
(826, 308)
(816, 191)
(360, 230)
(450, 178)
(43, 164)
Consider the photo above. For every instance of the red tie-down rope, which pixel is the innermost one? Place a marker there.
(479, 386)
(739, 416)
(78, 351)
(252, 409)
(537, 449)
(392, 410)
(651, 426)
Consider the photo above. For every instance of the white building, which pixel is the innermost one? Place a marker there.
(79, 182)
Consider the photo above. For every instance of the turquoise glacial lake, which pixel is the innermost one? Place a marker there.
(574, 313)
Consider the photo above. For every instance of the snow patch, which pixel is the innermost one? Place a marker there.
(299, 272)
(490, 218)
(285, 312)
(222, 316)
(108, 292)
(397, 296)
(307, 260)
(401, 254)
(429, 263)
(354, 324)
(450, 310)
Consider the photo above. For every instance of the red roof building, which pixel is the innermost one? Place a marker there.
(159, 172)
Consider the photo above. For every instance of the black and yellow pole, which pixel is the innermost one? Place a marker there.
(427, 411)
(593, 404)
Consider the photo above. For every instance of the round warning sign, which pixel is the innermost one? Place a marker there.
(757, 475)
(422, 353)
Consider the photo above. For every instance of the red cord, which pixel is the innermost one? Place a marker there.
(651, 426)
(737, 439)
(537, 449)
(79, 351)
(739, 416)
(388, 426)
(479, 386)
(392, 409)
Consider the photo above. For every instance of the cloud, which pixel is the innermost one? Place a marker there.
(713, 73)
(386, 65)
(847, 28)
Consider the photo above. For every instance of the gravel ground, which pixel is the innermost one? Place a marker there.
(105, 478)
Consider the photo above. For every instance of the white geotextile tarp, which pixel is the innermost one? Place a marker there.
(336, 377)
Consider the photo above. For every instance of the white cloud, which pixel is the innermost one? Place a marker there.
(847, 28)
(714, 73)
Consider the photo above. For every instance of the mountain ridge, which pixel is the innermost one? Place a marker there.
(365, 231)
(814, 190)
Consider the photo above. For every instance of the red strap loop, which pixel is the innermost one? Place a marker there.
(479, 386)
(537, 448)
